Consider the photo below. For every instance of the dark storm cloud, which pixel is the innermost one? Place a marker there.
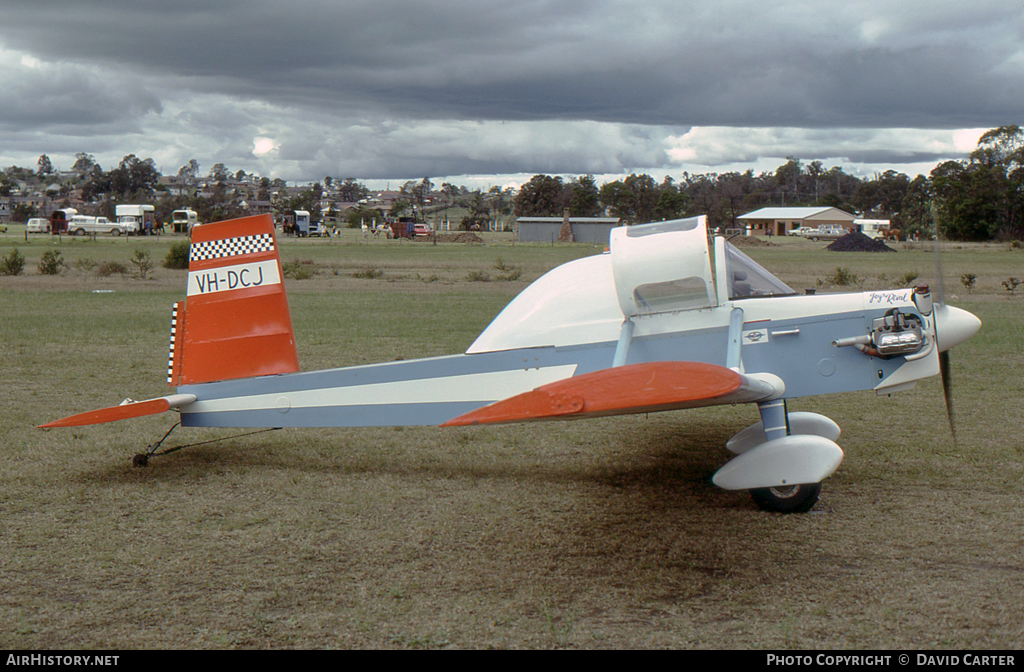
(295, 70)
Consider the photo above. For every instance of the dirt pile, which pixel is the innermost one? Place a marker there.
(855, 241)
(461, 237)
(750, 241)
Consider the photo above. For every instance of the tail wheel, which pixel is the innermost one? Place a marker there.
(787, 499)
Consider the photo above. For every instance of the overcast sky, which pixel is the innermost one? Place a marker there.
(394, 90)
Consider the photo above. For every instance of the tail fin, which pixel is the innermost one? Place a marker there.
(235, 322)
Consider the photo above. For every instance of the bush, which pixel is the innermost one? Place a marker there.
(177, 256)
(140, 260)
(83, 264)
(842, 277)
(369, 273)
(13, 263)
(300, 269)
(908, 278)
(51, 263)
(108, 268)
(509, 272)
(968, 280)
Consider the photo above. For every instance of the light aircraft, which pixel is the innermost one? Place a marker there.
(663, 320)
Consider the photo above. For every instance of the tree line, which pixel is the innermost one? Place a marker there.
(976, 199)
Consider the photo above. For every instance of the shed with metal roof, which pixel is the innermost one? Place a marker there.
(547, 229)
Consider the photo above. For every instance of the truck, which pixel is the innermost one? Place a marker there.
(182, 221)
(83, 225)
(135, 218)
(297, 223)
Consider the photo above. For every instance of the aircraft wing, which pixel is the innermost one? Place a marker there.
(636, 388)
(123, 411)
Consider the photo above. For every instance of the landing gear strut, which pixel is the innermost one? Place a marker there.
(142, 459)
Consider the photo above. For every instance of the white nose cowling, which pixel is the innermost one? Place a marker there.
(954, 326)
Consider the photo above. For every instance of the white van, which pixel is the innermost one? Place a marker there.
(38, 225)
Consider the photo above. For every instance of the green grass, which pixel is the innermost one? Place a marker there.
(596, 534)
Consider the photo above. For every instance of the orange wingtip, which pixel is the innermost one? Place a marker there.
(135, 409)
(637, 388)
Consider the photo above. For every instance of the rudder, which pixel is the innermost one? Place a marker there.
(235, 322)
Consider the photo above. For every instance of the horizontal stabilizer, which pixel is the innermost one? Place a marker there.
(125, 410)
(636, 388)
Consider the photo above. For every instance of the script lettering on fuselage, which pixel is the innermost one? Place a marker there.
(890, 298)
(227, 278)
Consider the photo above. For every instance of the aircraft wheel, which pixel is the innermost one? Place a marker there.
(787, 499)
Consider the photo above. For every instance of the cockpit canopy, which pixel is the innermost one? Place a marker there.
(664, 267)
(747, 278)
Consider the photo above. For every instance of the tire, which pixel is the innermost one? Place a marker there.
(793, 499)
(79, 232)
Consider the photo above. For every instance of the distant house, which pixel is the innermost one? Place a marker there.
(383, 198)
(584, 229)
(255, 207)
(176, 186)
(782, 220)
(36, 200)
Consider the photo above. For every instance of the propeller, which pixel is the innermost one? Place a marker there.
(947, 391)
(941, 307)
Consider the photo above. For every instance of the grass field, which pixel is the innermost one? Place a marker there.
(596, 534)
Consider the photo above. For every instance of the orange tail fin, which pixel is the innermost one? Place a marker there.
(235, 322)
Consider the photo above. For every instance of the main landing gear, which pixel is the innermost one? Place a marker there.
(783, 459)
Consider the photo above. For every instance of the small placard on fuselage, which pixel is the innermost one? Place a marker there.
(755, 336)
(228, 278)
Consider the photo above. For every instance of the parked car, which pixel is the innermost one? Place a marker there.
(820, 233)
(828, 233)
(38, 225)
(422, 230)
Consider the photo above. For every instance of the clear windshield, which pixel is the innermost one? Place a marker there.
(749, 279)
